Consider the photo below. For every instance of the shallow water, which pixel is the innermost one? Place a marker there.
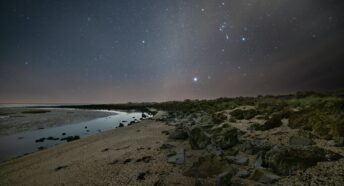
(25, 142)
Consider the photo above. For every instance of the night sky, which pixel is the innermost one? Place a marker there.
(69, 51)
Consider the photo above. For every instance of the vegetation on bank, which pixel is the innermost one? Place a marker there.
(318, 112)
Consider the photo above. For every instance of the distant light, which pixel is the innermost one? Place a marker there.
(195, 79)
(243, 39)
(143, 41)
(202, 9)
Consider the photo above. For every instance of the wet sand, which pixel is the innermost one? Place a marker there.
(123, 156)
(14, 120)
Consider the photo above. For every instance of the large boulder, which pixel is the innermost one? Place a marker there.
(285, 159)
(225, 136)
(198, 138)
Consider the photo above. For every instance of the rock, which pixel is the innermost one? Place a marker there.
(114, 162)
(52, 138)
(166, 146)
(178, 158)
(263, 175)
(224, 179)
(214, 150)
(85, 127)
(239, 159)
(225, 136)
(198, 138)
(145, 159)
(41, 148)
(132, 122)
(60, 167)
(104, 150)
(205, 167)
(259, 159)
(299, 141)
(121, 125)
(70, 138)
(141, 176)
(160, 116)
(63, 134)
(284, 160)
(243, 174)
(40, 140)
(255, 146)
(178, 134)
(143, 115)
(127, 161)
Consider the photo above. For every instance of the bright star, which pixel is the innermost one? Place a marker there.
(195, 79)
(243, 39)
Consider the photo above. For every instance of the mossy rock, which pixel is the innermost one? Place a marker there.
(198, 138)
(284, 160)
(225, 136)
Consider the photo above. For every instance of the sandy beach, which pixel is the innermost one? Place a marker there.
(14, 120)
(124, 156)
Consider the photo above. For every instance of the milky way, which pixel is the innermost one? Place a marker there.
(153, 50)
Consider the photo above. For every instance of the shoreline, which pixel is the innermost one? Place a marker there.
(118, 156)
(16, 120)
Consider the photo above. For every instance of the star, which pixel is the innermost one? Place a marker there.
(143, 41)
(202, 9)
(195, 79)
(243, 39)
